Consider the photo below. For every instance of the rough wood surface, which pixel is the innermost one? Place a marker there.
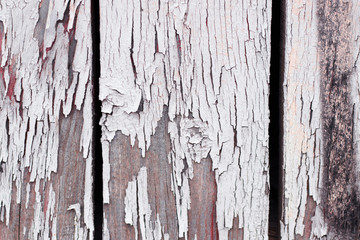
(321, 115)
(45, 108)
(184, 91)
(208, 62)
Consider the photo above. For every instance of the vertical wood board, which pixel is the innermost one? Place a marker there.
(321, 118)
(46, 104)
(208, 63)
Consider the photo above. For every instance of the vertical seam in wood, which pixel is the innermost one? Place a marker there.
(97, 151)
(276, 117)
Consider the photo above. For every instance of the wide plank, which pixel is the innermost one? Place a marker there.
(184, 91)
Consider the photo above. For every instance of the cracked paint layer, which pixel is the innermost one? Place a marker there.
(208, 61)
(302, 108)
(45, 74)
(321, 104)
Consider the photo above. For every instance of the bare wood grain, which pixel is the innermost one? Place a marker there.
(126, 162)
(202, 216)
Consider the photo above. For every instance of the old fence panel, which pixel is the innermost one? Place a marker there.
(184, 91)
(46, 130)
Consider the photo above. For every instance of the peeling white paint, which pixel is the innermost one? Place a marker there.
(35, 90)
(45, 216)
(106, 170)
(105, 231)
(50, 214)
(302, 114)
(38, 222)
(27, 195)
(319, 227)
(88, 199)
(137, 208)
(208, 61)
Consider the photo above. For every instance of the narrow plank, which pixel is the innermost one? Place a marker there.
(302, 119)
(320, 120)
(46, 104)
(207, 62)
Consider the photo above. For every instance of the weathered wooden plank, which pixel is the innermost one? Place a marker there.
(208, 62)
(46, 104)
(321, 105)
(302, 110)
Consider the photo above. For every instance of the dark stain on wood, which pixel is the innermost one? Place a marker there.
(339, 198)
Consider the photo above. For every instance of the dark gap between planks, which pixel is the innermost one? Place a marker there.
(276, 117)
(97, 151)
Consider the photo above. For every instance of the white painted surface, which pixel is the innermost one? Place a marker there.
(302, 118)
(208, 61)
(35, 91)
(80, 232)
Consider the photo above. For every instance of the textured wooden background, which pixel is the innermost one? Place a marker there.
(184, 89)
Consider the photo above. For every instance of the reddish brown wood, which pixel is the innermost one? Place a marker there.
(237, 233)
(125, 162)
(202, 216)
(11, 231)
(68, 185)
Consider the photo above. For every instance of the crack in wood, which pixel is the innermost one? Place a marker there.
(97, 149)
(276, 117)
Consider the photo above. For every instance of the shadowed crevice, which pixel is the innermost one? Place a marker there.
(97, 151)
(276, 117)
